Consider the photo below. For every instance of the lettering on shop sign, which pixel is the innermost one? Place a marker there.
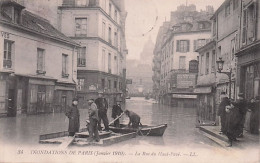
(5, 35)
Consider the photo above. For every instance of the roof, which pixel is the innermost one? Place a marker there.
(35, 23)
(41, 25)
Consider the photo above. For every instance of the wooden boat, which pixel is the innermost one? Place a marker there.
(145, 130)
(81, 138)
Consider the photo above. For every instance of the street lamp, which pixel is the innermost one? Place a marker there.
(220, 64)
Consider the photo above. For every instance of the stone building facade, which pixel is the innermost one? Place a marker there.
(37, 69)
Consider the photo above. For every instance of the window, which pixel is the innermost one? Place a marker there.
(109, 35)
(103, 60)
(109, 63)
(81, 26)
(235, 4)
(109, 84)
(110, 9)
(227, 9)
(65, 65)
(183, 46)
(81, 83)
(115, 15)
(115, 84)
(182, 61)
(201, 64)
(40, 61)
(82, 2)
(250, 23)
(202, 26)
(116, 64)
(11, 13)
(116, 39)
(104, 30)
(103, 83)
(82, 57)
(214, 27)
(8, 53)
(207, 63)
(233, 48)
(213, 61)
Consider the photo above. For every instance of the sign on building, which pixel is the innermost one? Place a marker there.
(186, 80)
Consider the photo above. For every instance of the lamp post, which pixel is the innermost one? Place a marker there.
(220, 64)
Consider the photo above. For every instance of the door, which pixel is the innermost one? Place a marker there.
(41, 99)
(11, 110)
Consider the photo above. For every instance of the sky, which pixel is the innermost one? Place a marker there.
(144, 18)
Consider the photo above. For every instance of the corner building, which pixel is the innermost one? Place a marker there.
(98, 26)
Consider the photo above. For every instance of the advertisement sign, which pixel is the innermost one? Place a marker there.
(186, 80)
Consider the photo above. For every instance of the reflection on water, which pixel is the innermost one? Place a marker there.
(181, 125)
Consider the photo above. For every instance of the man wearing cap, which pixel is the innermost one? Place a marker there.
(93, 121)
(116, 111)
(241, 104)
(102, 106)
(73, 114)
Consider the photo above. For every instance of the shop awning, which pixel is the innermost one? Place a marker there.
(203, 90)
(184, 96)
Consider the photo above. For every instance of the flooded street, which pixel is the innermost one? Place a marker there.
(25, 129)
(181, 140)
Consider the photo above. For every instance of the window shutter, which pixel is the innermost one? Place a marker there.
(178, 46)
(194, 44)
(188, 45)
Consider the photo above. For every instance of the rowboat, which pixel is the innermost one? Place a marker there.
(81, 139)
(144, 130)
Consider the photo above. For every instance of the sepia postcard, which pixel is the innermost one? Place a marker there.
(123, 81)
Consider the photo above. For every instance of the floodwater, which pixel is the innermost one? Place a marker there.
(25, 129)
(181, 142)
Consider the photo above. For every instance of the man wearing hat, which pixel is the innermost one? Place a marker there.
(241, 104)
(221, 111)
(73, 114)
(254, 106)
(93, 121)
(102, 106)
(116, 111)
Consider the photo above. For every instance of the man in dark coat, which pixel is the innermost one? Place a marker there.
(134, 119)
(93, 121)
(222, 112)
(73, 114)
(241, 104)
(116, 111)
(102, 106)
(254, 106)
(233, 123)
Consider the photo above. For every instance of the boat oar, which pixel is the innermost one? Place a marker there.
(66, 143)
(116, 118)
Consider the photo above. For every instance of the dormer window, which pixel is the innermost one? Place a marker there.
(12, 11)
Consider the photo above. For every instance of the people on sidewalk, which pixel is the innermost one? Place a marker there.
(73, 114)
(232, 124)
(102, 106)
(241, 105)
(93, 121)
(116, 111)
(254, 106)
(222, 112)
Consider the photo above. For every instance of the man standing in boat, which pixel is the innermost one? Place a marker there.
(102, 106)
(93, 121)
(73, 114)
(134, 119)
(116, 111)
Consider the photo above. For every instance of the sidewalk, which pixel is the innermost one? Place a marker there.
(248, 141)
